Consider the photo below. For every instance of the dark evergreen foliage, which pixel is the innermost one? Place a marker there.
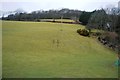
(84, 17)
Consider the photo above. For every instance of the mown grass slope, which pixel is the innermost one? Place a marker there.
(41, 49)
(0, 49)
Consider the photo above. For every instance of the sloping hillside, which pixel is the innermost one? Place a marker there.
(43, 49)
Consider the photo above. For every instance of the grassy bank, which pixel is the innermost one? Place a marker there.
(41, 49)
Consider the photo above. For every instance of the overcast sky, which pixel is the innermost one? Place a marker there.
(33, 5)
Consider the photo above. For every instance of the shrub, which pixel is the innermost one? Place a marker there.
(83, 32)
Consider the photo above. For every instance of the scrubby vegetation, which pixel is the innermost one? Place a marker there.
(83, 32)
(110, 39)
(106, 20)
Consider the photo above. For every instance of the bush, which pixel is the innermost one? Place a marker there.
(83, 32)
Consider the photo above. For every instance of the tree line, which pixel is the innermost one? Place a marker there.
(41, 14)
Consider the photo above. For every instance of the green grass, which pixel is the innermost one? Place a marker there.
(63, 20)
(0, 49)
(30, 50)
(97, 30)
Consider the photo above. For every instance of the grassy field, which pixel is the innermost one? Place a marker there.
(0, 49)
(63, 20)
(54, 50)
